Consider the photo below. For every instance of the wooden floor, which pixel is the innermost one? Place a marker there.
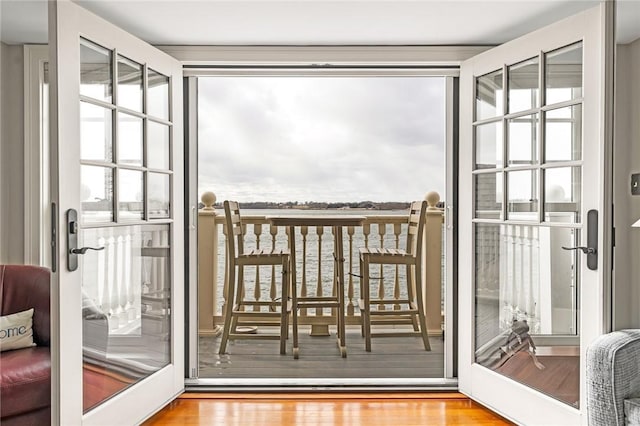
(398, 357)
(379, 409)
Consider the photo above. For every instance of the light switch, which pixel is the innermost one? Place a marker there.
(635, 184)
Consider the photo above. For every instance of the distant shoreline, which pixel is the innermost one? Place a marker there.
(362, 205)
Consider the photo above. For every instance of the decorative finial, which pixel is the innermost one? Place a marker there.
(433, 198)
(208, 199)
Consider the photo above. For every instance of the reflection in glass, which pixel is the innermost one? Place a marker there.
(96, 194)
(522, 201)
(130, 194)
(563, 74)
(563, 134)
(522, 140)
(158, 95)
(95, 133)
(157, 145)
(489, 102)
(526, 287)
(130, 144)
(562, 187)
(523, 85)
(488, 195)
(129, 84)
(125, 308)
(95, 71)
(158, 195)
(488, 149)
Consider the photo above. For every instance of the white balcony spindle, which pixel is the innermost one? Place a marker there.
(112, 292)
(319, 289)
(397, 227)
(129, 291)
(103, 291)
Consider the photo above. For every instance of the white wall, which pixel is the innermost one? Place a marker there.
(627, 207)
(12, 155)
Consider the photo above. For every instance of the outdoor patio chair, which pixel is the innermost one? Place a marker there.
(411, 310)
(260, 313)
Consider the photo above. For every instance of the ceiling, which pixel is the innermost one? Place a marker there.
(317, 22)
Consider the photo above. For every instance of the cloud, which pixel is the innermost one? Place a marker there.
(321, 138)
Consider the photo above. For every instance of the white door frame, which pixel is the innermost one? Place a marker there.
(37, 250)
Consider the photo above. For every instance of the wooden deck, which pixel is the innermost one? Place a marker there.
(398, 357)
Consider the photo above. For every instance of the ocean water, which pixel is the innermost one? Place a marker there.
(318, 268)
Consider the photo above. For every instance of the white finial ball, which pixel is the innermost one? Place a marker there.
(208, 199)
(433, 198)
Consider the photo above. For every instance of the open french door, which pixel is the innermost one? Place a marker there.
(534, 218)
(117, 184)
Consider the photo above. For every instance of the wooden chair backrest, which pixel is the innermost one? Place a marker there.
(417, 217)
(233, 223)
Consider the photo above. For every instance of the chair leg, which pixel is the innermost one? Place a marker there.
(361, 296)
(366, 319)
(421, 313)
(284, 313)
(411, 295)
(227, 315)
(294, 316)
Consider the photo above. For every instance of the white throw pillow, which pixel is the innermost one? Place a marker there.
(16, 330)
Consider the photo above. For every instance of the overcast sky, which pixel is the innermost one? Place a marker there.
(322, 138)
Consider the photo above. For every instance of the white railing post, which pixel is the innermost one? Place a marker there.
(432, 275)
(207, 266)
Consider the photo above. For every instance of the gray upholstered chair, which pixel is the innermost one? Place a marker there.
(613, 379)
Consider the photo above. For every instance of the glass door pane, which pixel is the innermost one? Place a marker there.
(126, 284)
(526, 285)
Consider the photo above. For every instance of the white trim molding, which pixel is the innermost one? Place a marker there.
(36, 157)
(323, 56)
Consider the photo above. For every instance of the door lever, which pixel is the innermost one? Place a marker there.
(83, 250)
(592, 241)
(585, 250)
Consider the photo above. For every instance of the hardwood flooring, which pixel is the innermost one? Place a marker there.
(365, 409)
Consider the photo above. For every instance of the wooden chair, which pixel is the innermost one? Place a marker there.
(236, 313)
(412, 308)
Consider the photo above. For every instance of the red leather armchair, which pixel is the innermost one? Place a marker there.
(25, 374)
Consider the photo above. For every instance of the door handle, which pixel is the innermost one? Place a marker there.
(72, 241)
(585, 250)
(83, 250)
(591, 250)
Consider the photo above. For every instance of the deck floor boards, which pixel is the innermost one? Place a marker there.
(397, 357)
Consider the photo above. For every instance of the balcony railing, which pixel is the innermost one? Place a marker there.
(315, 263)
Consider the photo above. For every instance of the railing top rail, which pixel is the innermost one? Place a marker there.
(250, 219)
